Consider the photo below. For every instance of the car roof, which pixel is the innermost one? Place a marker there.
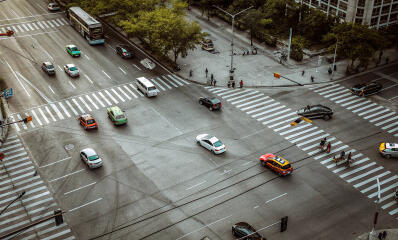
(214, 100)
(70, 45)
(279, 160)
(116, 110)
(87, 116)
(212, 139)
(48, 63)
(89, 151)
(70, 65)
(123, 46)
(391, 145)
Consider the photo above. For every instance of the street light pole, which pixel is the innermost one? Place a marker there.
(334, 58)
(231, 69)
(373, 232)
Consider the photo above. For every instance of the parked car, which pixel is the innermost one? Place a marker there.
(71, 70)
(91, 158)
(276, 164)
(124, 51)
(53, 7)
(48, 68)
(388, 150)
(244, 231)
(211, 143)
(116, 115)
(365, 89)
(88, 121)
(211, 103)
(316, 111)
(72, 50)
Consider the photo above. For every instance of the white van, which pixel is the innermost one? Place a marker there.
(146, 87)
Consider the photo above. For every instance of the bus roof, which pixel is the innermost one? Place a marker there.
(84, 16)
(145, 81)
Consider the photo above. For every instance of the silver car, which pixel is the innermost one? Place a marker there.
(388, 150)
(91, 158)
(211, 143)
(71, 70)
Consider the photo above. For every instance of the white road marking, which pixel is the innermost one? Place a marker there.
(43, 115)
(172, 81)
(50, 164)
(176, 78)
(54, 107)
(96, 98)
(388, 120)
(273, 114)
(279, 118)
(19, 81)
(106, 74)
(56, 24)
(30, 26)
(371, 179)
(358, 105)
(167, 85)
(73, 209)
(244, 96)
(245, 99)
(77, 105)
(258, 104)
(214, 198)
(196, 185)
(85, 104)
(49, 112)
(282, 122)
(363, 108)
(381, 183)
(71, 107)
(26, 28)
(133, 87)
(92, 102)
(118, 95)
(137, 67)
(106, 100)
(351, 102)
(45, 24)
(22, 123)
(383, 190)
(124, 93)
(67, 175)
(85, 55)
(381, 117)
(157, 84)
(357, 170)
(131, 92)
(272, 199)
(300, 133)
(73, 86)
(329, 91)
(79, 188)
(226, 172)
(40, 25)
(31, 122)
(64, 109)
(88, 79)
(49, 23)
(122, 71)
(60, 22)
(20, 29)
(294, 129)
(375, 114)
(390, 125)
(34, 25)
(113, 99)
(261, 108)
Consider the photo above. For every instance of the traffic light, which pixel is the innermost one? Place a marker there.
(277, 75)
(283, 224)
(27, 119)
(58, 217)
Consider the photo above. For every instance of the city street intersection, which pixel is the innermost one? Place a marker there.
(156, 182)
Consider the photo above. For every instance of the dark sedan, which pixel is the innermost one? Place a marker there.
(365, 89)
(211, 103)
(243, 230)
(124, 51)
(316, 111)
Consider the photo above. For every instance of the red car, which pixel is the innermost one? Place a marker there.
(88, 122)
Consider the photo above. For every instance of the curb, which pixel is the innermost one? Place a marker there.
(4, 129)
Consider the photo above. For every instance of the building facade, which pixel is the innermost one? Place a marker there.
(375, 13)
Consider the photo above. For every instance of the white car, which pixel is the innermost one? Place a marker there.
(211, 143)
(71, 70)
(53, 7)
(91, 158)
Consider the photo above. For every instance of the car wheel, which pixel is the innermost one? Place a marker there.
(233, 232)
(263, 163)
(85, 127)
(279, 174)
(210, 108)
(326, 117)
(200, 102)
(388, 156)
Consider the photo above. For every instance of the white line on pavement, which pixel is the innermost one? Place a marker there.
(67, 158)
(196, 185)
(74, 190)
(67, 175)
(73, 209)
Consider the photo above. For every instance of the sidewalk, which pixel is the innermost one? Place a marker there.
(392, 234)
(255, 70)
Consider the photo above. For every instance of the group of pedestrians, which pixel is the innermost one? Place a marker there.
(212, 81)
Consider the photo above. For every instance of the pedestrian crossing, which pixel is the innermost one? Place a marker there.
(20, 28)
(376, 114)
(74, 106)
(361, 174)
(17, 175)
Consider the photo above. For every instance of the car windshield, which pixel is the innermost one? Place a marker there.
(287, 166)
(120, 117)
(151, 89)
(73, 69)
(92, 158)
(74, 49)
(90, 121)
(217, 144)
(214, 100)
(50, 67)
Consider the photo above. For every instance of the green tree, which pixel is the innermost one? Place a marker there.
(314, 24)
(298, 44)
(252, 21)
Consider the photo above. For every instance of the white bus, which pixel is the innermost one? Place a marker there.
(86, 25)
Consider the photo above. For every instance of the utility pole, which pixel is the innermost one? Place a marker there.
(334, 58)
(231, 70)
(290, 43)
(372, 234)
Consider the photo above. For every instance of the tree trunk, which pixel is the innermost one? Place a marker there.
(251, 37)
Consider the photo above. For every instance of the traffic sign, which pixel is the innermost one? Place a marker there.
(8, 93)
(277, 75)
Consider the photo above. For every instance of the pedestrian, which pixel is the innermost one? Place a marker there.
(214, 82)
(312, 78)
(302, 73)
(206, 72)
(241, 83)
(233, 84)
(349, 156)
(384, 234)
(342, 155)
(380, 236)
(190, 73)
(211, 77)
(328, 147)
(211, 82)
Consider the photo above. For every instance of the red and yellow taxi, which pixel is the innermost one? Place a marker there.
(88, 122)
(277, 164)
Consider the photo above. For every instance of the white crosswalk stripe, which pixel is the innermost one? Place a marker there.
(160, 80)
(375, 114)
(235, 93)
(55, 22)
(279, 118)
(49, 23)
(20, 28)
(340, 96)
(382, 117)
(113, 99)
(335, 93)
(261, 108)
(49, 113)
(370, 110)
(45, 24)
(259, 104)
(72, 108)
(268, 111)
(351, 102)
(92, 102)
(57, 111)
(36, 118)
(242, 96)
(43, 115)
(131, 92)
(64, 109)
(85, 104)
(118, 95)
(178, 78)
(273, 114)
(329, 91)
(35, 26)
(26, 28)
(358, 105)
(157, 84)
(30, 26)
(105, 99)
(322, 88)
(346, 99)
(40, 25)
(124, 93)
(22, 123)
(171, 82)
(78, 105)
(363, 108)
(246, 99)
(31, 122)
(390, 125)
(96, 98)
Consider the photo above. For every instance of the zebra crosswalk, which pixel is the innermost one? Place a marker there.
(376, 114)
(74, 106)
(19, 28)
(17, 176)
(361, 174)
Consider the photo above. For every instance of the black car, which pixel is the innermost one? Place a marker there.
(316, 111)
(124, 51)
(365, 89)
(211, 103)
(48, 68)
(243, 230)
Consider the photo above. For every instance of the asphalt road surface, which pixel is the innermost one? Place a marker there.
(156, 182)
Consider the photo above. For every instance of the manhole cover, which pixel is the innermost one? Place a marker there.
(69, 147)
